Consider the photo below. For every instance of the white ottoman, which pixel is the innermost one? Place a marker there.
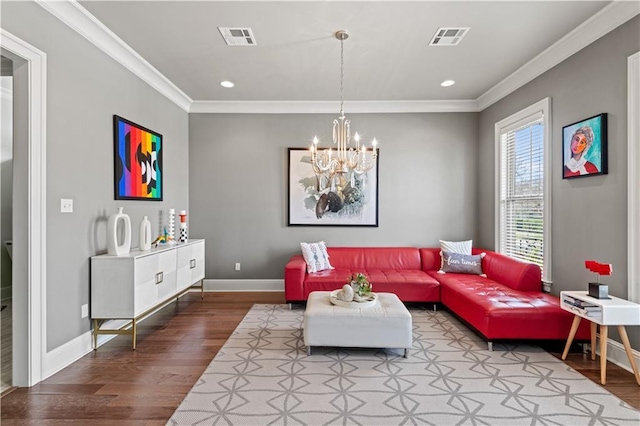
(387, 324)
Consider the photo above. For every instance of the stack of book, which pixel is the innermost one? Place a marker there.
(581, 306)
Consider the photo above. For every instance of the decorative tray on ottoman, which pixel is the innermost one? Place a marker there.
(369, 301)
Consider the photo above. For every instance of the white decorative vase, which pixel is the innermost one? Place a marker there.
(172, 224)
(116, 220)
(145, 235)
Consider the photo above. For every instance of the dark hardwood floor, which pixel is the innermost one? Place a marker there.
(116, 386)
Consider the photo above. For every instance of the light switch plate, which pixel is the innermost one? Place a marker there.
(66, 205)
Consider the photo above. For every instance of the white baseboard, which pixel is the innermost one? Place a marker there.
(75, 349)
(243, 285)
(70, 352)
(66, 354)
(617, 355)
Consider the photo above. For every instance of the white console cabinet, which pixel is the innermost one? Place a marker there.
(136, 284)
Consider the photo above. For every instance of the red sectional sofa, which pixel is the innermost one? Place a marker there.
(506, 304)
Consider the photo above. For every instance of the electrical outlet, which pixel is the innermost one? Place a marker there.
(66, 205)
(237, 266)
(84, 311)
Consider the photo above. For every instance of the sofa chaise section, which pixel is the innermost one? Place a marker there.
(506, 304)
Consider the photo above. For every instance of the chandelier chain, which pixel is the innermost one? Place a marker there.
(341, 74)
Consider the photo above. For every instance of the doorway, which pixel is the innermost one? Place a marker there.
(6, 209)
(29, 215)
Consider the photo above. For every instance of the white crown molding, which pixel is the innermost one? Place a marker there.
(330, 107)
(607, 19)
(78, 18)
(84, 23)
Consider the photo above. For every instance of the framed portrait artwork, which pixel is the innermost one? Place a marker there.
(584, 147)
(342, 199)
(137, 161)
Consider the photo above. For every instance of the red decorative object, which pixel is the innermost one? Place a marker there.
(598, 268)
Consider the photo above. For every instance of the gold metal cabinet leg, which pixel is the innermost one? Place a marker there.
(95, 334)
(134, 329)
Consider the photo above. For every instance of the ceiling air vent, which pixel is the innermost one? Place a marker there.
(448, 36)
(238, 36)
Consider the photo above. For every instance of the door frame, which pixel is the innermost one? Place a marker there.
(633, 199)
(32, 346)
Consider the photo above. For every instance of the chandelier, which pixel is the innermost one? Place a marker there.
(335, 169)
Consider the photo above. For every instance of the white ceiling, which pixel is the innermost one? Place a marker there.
(387, 57)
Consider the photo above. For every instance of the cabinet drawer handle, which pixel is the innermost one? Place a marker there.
(192, 264)
(159, 278)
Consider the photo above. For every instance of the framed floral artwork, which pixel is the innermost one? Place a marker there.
(321, 199)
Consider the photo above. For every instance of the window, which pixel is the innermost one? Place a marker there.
(522, 186)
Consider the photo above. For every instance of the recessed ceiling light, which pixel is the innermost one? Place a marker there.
(447, 83)
(227, 83)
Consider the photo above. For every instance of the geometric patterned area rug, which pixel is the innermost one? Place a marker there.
(263, 375)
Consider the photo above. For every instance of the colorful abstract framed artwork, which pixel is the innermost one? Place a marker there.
(584, 147)
(347, 199)
(137, 161)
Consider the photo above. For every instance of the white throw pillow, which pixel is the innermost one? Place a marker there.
(316, 256)
(460, 247)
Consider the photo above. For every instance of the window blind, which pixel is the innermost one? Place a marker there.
(522, 191)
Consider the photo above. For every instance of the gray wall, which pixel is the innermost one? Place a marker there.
(589, 214)
(85, 87)
(238, 185)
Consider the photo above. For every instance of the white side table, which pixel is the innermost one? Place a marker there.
(603, 312)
